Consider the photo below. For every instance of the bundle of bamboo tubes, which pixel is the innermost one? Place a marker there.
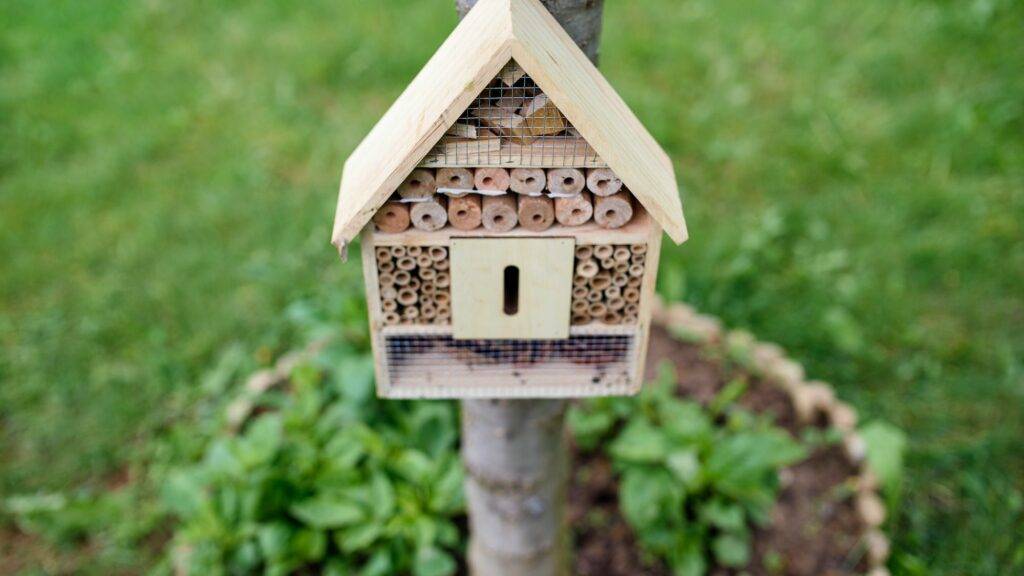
(415, 284)
(500, 200)
(607, 283)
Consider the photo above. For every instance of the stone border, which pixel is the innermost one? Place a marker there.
(812, 401)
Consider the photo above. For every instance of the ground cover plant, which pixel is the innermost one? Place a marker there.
(854, 184)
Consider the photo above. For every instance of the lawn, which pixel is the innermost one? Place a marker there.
(853, 179)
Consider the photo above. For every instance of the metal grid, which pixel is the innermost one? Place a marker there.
(514, 124)
(595, 360)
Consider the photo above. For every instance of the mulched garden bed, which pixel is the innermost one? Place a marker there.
(815, 528)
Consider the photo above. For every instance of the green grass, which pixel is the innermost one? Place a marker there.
(854, 185)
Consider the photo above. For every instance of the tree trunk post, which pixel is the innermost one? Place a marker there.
(515, 451)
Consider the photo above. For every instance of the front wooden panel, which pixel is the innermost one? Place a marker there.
(544, 289)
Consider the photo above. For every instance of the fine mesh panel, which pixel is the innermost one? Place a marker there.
(584, 360)
(513, 123)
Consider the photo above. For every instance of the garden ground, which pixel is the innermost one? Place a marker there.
(853, 178)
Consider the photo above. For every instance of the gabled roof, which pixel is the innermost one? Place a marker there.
(493, 33)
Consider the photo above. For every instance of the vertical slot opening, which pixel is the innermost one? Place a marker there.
(511, 300)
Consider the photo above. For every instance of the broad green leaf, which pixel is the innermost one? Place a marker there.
(432, 561)
(324, 512)
(309, 545)
(685, 466)
(261, 440)
(447, 496)
(589, 425)
(274, 539)
(379, 564)
(724, 516)
(731, 550)
(640, 443)
(383, 496)
(413, 465)
(359, 537)
(885, 447)
(688, 560)
(685, 422)
(646, 495)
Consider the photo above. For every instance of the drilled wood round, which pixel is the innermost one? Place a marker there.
(613, 211)
(499, 213)
(491, 179)
(456, 178)
(419, 184)
(465, 212)
(603, 182)
(574, 211)
(567, 181)
(536, 213)
(429, 215)
(528, 180)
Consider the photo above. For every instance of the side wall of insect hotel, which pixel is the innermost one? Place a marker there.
(511, 262)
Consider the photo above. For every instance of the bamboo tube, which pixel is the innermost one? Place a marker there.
(621, 269)
(620, 280)
(634, 282)
(536, 213)
(464, 212)
(424, 261)
(632, 309)
(407, 297)
(636, 271)
(411, 313)
(595, 296)
(443, 280)
(566, 181)
(419, 184)
(612, 292)
(428, 289)
(414, 283)
(386, 266)
(580, 306)
(427, 273)
(528, 180)
(601, 281)
(442, 298)
(575, 210)
(638, 249)
(398, 251)
(584, 252)
(442, 265)
(613, 211)
(499, 213)
(621, 254)
(639, 259)
(402, 278)
(598, 310)
(406, 263)
(392, 319)
(632, 295)
(429, 215)
(457, 178)
(388, 292)
(382, 254)
(414, 251)
(580, 292)
(603, 182)
(616, 304)
(438, 253)
(603, 251)
(613, 318)
(580, 319)
(578, 280)
(491, 179)
(587, 269)
(428, 312)
(608, 264)
(388, 305)
(386, 279)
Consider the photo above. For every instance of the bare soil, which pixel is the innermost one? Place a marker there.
(814, 530)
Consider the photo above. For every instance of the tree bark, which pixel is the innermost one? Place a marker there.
(515, 451)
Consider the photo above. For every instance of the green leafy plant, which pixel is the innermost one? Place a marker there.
(694, 480)
(329, 479)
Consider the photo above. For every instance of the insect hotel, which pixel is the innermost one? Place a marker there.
(511, 209)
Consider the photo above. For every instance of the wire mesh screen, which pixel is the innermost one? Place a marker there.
(596, 361)
(513, 123)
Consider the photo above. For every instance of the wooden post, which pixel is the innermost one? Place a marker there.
(515, 451)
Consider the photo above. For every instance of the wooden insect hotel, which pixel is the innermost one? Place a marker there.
(511, 208)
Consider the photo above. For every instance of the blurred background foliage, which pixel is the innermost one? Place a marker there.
(853, 178)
